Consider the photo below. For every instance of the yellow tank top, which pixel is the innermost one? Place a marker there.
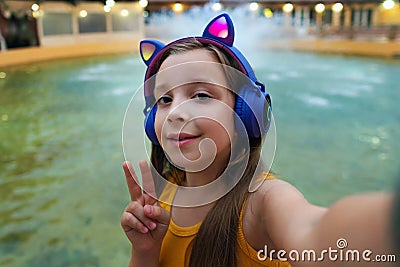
(176, 246)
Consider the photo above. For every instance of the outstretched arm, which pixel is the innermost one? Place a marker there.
(352, 226)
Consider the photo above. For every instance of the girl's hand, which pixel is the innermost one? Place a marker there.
(145, 223)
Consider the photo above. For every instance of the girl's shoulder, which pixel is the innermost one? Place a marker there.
(269, 185)
(266, 183)
(267, 209)
(254, 210)
(273, 198)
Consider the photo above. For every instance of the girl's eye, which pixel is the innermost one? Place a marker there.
(164, 100)
(202, 96)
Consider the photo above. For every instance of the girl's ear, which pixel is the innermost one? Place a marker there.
(148, 50)
(221, 29)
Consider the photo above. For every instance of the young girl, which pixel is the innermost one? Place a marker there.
(218, 206)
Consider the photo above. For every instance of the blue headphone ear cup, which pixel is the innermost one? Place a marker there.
(149, 125)
(240, 109)
(254, 110)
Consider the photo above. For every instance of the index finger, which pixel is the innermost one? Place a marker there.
(147, 180)
(135, 191)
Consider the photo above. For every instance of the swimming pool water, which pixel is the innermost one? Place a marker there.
(62, 189)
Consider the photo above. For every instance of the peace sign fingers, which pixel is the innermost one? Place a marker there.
(132, 181)
(147, 183)
(144, 221)
(148, 194)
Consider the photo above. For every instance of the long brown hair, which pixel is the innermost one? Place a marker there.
(216, 242)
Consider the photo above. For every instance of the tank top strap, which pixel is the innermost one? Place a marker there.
(167, 196)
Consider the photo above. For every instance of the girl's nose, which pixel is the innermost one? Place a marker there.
(179, 113)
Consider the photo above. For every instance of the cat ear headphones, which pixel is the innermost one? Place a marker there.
(253, 103)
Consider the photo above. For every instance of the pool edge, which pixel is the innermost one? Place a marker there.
(21, 56)
(384, 49)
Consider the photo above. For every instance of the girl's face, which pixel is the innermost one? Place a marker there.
(195, 119)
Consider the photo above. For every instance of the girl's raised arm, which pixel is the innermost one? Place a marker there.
(354, 231)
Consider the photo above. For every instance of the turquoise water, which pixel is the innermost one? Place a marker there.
(62, 189)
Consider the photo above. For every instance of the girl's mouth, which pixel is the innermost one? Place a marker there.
(182, 139)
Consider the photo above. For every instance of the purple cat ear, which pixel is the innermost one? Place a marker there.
(148, 50)
(221, 29)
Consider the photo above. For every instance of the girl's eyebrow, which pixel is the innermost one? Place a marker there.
(160, 88)
(163, 88)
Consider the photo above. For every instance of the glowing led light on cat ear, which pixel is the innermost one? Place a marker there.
(148, 49)
(221, 29)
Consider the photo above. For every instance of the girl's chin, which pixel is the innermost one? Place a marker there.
(191, 164)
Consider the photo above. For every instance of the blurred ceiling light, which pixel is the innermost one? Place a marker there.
(337, 7)
(253, 6)
(143, 3)
(319, 8)
(107, 8)
(110, 3)
(287, 8)
(388, 4)
(177, 7)
(83, 13)
(35, 7)
(216, 6)
(124, 12)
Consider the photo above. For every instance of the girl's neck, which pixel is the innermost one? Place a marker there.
(209, 174)
(205, 176)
